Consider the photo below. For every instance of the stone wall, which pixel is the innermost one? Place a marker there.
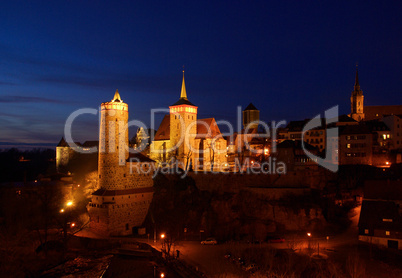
(234, 182)
(117, 215)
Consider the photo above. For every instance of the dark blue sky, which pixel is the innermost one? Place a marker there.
(292, 59)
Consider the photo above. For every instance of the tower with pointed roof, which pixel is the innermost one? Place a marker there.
(125, 181)
(251, 116)
(183, 127)
(356, 100)
(113, 142)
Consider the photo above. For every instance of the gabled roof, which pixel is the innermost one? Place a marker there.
(373, 213)
(250, 107)
(163, 132)
(207, 128)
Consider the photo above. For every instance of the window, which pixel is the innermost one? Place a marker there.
(387, 233)
(348, 146)
(127, 227)
(386, 220)
(366, 231)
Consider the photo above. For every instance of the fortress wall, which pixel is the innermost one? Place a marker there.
(234, 182)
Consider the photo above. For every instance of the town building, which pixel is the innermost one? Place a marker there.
(394, 123)
(380, 221)
(293, 154)
(355, 145)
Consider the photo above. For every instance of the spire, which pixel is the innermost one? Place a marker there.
(183, 94)
(357, 86)
(117, 97)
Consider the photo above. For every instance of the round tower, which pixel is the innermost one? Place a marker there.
(113, 144)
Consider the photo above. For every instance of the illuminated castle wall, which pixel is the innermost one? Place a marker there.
(125, 192)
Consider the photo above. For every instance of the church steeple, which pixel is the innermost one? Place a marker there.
(183, 94)
(357, 86)
(356, 100)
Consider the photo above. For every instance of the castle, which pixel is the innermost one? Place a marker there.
(125, 180)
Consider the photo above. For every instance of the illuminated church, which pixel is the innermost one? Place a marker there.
(192, 143)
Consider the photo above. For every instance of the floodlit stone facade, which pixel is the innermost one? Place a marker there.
(125, 180)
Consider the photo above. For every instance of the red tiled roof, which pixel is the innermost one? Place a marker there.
(207, 128)
(163, 132)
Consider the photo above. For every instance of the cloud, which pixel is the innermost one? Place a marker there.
(26, 99)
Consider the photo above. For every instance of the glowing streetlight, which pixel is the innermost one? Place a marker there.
(69, 204)
(62, 210)
(309, 234)
(162, 275)
(162, 236)
(72, 225)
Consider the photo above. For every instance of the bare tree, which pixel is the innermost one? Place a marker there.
(188, 157)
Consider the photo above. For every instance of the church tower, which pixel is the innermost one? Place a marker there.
(183, 127)
(357, 101)
(250, 116)
(113, 143)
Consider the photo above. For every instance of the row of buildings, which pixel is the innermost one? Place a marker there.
(370, 135)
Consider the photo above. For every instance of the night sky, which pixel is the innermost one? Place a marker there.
(291, 59)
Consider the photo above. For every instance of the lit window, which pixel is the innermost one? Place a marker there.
(366, 231)
(387, 233)
(348, 146)
(386, 220)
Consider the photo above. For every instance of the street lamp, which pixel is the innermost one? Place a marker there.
(69, 203)
(162, 236)
(309, 236)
